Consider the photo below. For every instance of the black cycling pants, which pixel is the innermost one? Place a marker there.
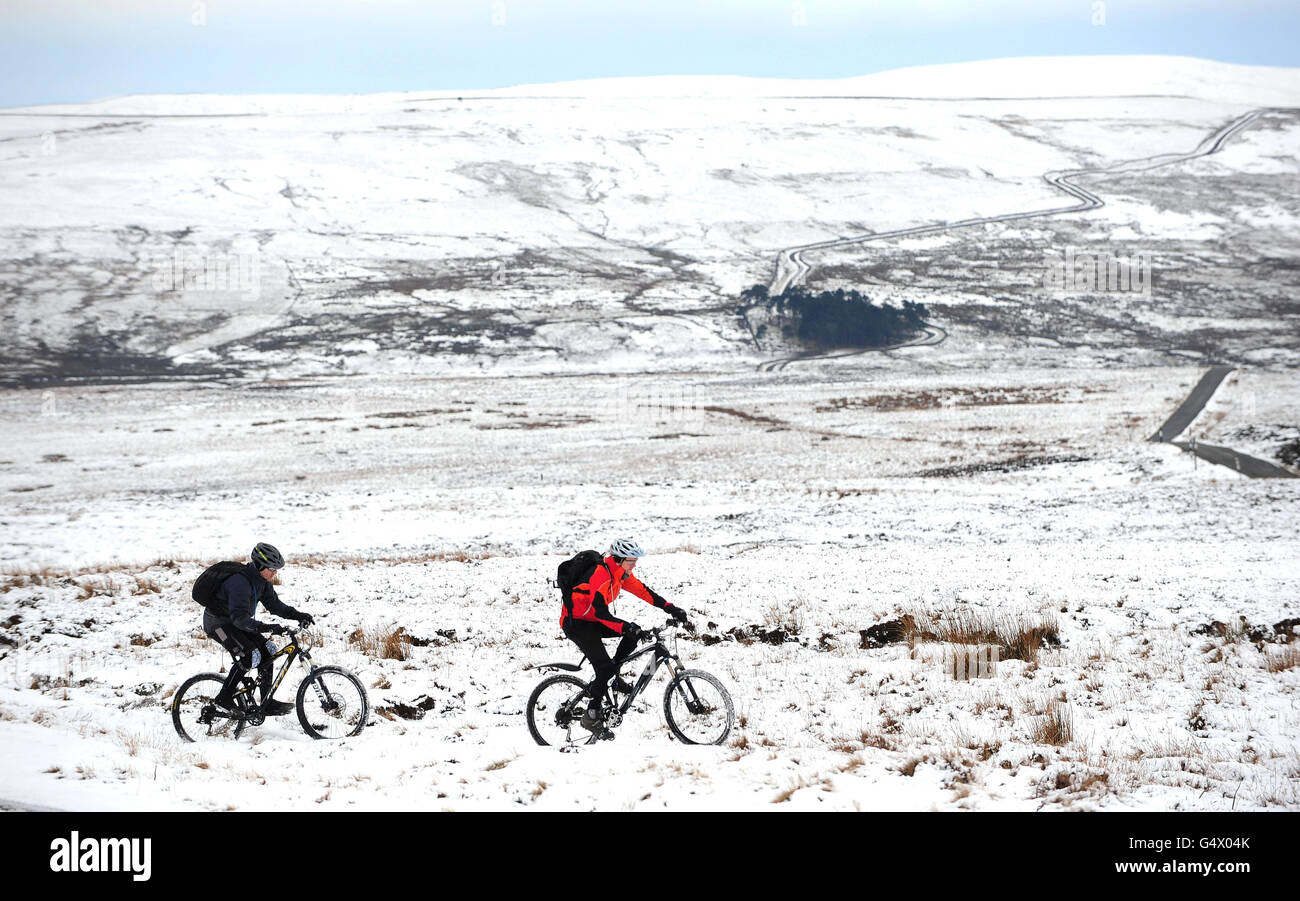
(588, 636)
(241, 645)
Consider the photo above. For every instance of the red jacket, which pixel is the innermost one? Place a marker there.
(591, 599)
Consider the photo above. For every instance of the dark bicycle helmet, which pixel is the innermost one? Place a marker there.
(265, 556)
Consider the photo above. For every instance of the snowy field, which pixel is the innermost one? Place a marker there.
(483, 333)
(788, 512)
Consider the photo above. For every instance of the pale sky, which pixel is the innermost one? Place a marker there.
(65, 51)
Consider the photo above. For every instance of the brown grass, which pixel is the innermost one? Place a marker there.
(952, 397)
(1056, 727)
(909, 768)
(320, 561)
(789, 792)
(748, 417)
(1017, 637)
(383, 643)
(1280, 659)
(95, 578)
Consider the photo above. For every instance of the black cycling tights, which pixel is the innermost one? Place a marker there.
(588, 637)
(241, 645)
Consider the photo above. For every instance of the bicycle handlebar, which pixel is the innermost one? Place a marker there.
(655, 633)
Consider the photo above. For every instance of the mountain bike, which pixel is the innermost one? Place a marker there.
(696, 705)
(331, 701)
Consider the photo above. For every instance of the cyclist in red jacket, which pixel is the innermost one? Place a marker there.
(589, 620)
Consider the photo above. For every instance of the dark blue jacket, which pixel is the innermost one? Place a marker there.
(243, 591)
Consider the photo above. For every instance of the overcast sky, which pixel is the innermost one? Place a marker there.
(61, 50)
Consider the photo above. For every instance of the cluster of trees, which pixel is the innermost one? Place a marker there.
(837, 318)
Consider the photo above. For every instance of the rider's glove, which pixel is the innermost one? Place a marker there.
(304, 619)
(678, 614)
(275, 629)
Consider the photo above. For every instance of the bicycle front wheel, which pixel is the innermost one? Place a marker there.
(554, 710)
(195, 713)
(332, 703)
(698, 709)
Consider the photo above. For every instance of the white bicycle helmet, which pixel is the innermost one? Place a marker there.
(625, 547)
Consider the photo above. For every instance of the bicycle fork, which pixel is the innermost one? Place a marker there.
(684, 686)
(327, 703)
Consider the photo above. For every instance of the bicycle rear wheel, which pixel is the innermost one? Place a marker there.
(195, 713)
(554, 710)
(698, 708)
(332, 703)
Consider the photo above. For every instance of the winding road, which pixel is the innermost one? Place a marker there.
(1189, 409)
(791, 267)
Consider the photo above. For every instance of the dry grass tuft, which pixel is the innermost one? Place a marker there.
(786, 795)
(383, 643)
(909, 768)
(323, 561)
(1056, 726)
(146, 585)
(787, 617)
(1016, 636)
(1277, 660)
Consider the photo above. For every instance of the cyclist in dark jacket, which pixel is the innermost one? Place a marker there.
(240, 633)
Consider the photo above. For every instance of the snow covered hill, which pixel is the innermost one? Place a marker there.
(611, 224)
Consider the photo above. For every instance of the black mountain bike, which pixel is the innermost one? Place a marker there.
(696, 706)
(331, 701)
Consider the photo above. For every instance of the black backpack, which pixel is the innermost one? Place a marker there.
(207, 584)
(574, 572)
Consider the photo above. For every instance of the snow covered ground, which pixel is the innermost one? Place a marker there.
(482, 333)
(794, 504)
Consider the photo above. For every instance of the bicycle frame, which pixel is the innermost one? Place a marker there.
(291, 651)
(661, 655)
